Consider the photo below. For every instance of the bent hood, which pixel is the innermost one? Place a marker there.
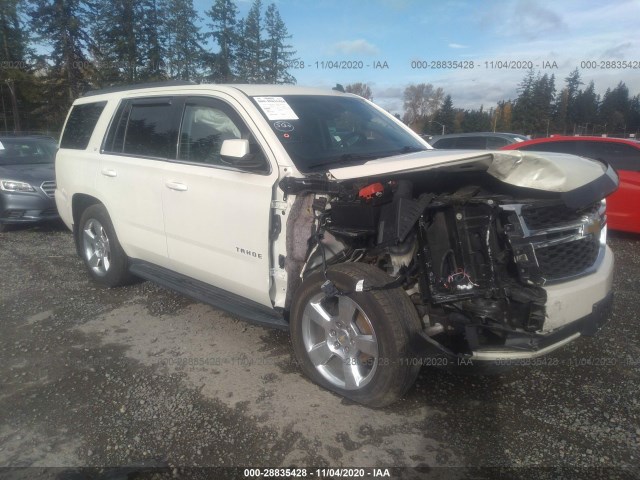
(549, 172)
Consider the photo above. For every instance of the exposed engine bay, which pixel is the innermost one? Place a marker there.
(472, 252)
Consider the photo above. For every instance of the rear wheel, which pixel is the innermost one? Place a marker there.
(99, 247)
(356, 344)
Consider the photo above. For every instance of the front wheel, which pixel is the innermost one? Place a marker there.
(103, 256)
(356, 344)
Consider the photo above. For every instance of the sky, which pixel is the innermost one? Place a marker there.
(390, 44)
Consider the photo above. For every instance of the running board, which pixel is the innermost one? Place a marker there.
(234, 304)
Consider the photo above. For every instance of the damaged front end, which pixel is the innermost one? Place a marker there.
(479, 245)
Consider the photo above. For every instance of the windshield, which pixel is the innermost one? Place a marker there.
(321, 132)
(26, 151)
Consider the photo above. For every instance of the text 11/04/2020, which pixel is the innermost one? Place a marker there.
(321, 473)
(486, 65)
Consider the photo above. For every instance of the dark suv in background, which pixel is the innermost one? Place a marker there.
(27, 180)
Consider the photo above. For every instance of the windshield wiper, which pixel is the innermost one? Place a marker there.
(409, 149)
(346, 159)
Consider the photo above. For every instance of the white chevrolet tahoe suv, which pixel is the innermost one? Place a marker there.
(318, 212)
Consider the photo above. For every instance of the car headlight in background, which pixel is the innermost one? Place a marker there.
(15, 186)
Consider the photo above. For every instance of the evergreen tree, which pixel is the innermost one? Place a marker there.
(561, 112)
(533, 110)
(573, 83)
(543, 101)
(444, 119)
(614, 111)
(151, 41)
(128, 42)
(61, 25)
(116, 47)
(223, 15)
(251, 52)
(524, 104)
(633, 126)
(586, 108)
(476, 121)
(13, 53)
(184, 53)
(278, 54)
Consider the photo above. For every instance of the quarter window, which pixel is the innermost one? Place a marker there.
(82, 120)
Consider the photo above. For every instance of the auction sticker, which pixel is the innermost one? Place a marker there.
(276, 108)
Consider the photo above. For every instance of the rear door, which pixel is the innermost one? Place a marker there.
(216, 216)
(141, 139)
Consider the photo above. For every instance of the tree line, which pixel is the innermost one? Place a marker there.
(538, 110)
(52, 51)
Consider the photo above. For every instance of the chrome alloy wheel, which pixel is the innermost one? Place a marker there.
(340, 341)
(95, 245)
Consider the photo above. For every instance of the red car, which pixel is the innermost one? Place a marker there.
(623, 206)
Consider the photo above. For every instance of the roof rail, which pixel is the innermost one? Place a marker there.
(122, 88)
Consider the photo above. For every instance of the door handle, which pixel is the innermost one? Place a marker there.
(179, 187)
(108, 172)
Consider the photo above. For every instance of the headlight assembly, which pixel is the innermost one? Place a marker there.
(15, 186)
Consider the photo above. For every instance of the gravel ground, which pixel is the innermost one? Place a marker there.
(141, 376)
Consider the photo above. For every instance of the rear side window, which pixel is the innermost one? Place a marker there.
(472, 143)
(618, 155)
(445, 143)
(559, 147)
(80, 125)
(146, 127)
(496, 142)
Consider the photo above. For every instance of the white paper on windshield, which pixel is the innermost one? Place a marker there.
(276, 108)
(1, 146)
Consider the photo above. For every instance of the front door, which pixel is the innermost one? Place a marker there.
(216, 217)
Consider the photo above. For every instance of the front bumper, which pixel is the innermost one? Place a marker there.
(16, 208)
(542, 344)
(571, 312)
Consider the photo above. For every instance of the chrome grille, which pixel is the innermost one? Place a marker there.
(538, 218)
(567, 259)
(49, 188)
(553, 242)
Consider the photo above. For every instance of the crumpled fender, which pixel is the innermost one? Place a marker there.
(578, 180)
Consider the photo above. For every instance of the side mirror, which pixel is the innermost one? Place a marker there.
(236, 152)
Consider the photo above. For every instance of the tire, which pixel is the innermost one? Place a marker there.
(357, 344)
(3, 227)
(100, 250)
